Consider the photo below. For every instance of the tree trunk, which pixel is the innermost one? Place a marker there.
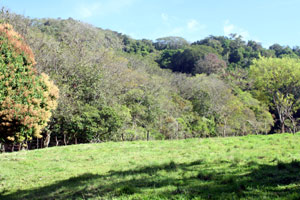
(148, 135)
(294, 128)
(56, 141)
(282, 127)
(65, 140)
(47, 139)
(42, 143)
(2, 148)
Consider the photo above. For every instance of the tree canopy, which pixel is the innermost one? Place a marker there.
(115, 88)
(26, 98)
(277, 83)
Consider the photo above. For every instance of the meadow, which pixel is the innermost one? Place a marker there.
(248, 167)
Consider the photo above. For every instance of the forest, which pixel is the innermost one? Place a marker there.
(67, 82)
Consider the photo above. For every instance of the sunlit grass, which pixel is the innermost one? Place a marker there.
(247, 167)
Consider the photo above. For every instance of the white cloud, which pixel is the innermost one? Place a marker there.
(229, 28)
(192, 24)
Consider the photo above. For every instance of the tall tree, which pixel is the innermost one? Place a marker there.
(210, 64)
(277, 83)
(26, 98)
(171, 43)
(185, 61)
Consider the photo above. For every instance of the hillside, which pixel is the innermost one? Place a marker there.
(248, 167)
(115, 88)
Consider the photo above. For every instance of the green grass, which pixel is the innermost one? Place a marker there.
(250, 167)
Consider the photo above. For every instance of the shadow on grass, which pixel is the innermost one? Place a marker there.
(258, 181)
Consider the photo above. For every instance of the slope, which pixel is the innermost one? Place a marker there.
(247, 167)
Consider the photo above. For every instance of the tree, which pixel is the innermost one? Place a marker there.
(224, 111)
(171, 43)
(210, 64)
(185, 61)
(236, 56)
(211, 41)
(142, 47)
(283, 51)
(26, 98)
(277, 83)
(96, 124)
(166, 57)
(255, 46)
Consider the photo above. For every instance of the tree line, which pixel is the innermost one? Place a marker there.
(114, 88)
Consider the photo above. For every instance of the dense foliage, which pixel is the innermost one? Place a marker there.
(277, 83)
(26, 98)
(113, 87)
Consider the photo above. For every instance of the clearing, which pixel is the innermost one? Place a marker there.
(249, 167)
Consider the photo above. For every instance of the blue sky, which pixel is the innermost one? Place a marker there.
(265, 21)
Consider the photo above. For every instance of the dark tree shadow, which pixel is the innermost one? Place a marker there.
(272, 181)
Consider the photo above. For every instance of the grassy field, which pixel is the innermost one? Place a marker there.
(250, 167)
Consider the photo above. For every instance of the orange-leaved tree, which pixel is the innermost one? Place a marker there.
(26, 97)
